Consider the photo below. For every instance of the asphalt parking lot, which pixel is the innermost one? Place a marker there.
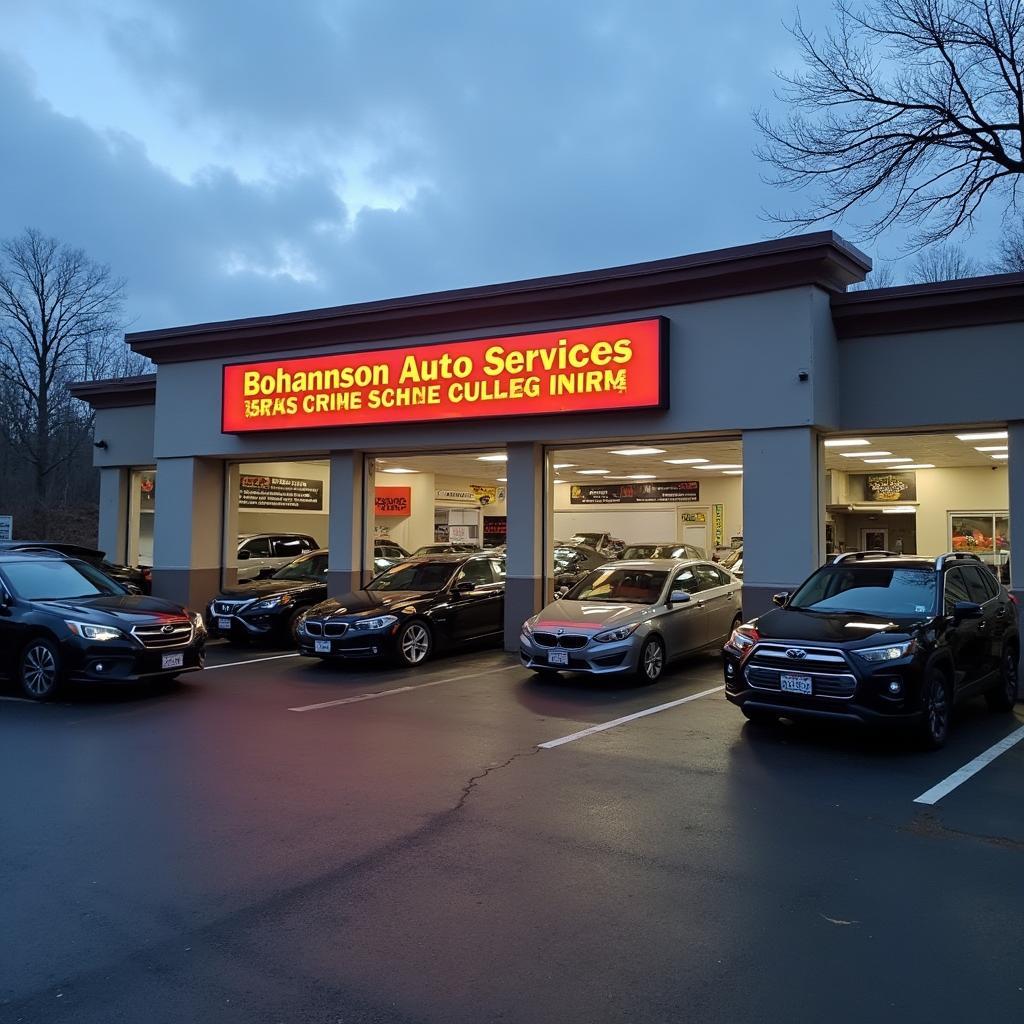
(274, 840)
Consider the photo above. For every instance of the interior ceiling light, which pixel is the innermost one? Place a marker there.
(887, 462)
(564, 465)
(635, 476)
(398, 469)
(492, 458)
(896, 510)
(846, 442)
(637, 451)
(986, 435)
(992, 448)
(732, 472)
(862, 455)
(683, 462)
(919, 465)
(723, 465)
(1004, 456)
(502, 479)
(592, 472)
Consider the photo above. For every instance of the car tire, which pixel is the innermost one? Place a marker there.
(936, 706)
(651, 663)
(415, 643)
(39, 669)
(760, 716)
(1004, 696)
(290, 634)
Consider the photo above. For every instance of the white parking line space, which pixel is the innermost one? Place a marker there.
(572, 737)
(374, 695)
(961, 775)
(250, 661)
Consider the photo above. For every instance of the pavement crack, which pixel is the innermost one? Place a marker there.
(928, 826)
(475, 780)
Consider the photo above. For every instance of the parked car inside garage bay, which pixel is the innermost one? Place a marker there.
(411, 610)
(62, 620)
(261, 554)
(633, 618)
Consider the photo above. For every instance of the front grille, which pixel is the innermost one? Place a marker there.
(226, 607)
(335, 629)
(314, 627)
(570, 641)
(158, 636)
(829, 670)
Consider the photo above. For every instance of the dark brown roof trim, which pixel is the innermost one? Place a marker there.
(117, 392)
(821, 258)
(973, 301)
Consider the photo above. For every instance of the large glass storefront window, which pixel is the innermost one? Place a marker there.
(985, 534)
(141, 516)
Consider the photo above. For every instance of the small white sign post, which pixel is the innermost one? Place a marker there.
(6, 527)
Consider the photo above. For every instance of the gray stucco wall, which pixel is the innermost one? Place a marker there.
(129, 435)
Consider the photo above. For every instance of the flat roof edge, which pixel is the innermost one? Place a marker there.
(117, 392)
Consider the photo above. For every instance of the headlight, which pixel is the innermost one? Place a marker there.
(611, 635)
(197, 620)
(271, 603)
(743, 638)
(893, 652)
(528, 626)
(381, 622)
(92, 631)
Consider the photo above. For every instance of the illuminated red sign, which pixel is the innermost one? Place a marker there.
(583, 369)
(392, 501)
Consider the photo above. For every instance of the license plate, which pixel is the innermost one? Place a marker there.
(797, 684)
(223, 623)
(172, 661)
(558, 657)
(322, 646)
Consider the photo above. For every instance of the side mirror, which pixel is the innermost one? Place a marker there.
(678, 597)
(781, 598)
(966, 610)
(465, 587)
(265, 574)
(243, 555)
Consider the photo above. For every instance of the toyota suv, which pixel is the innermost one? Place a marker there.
(876, 637)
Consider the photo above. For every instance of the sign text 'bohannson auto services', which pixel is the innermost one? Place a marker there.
(582, 369)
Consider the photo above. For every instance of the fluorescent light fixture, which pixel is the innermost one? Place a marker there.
(732, 472)
(637, 451)
(896, 510)
(593, 472)
(635, 476)
(846, 442)
(492, 458)
(398, 469)
(887, 462)
(684, 462)
(992, 448)
(502, 479)
(862, 455)
(564, 465)
(1005, 456)
(723, 465)
(985, 435)
(918, 465)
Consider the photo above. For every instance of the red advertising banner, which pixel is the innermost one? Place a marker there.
(392, 501)
(582, 369)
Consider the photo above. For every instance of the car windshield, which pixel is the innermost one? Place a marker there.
(51, 580)
(732, 558)
(590, 539)
(565, 557)
(632, 586)
(306, 567)
(874, 589)
(641, 551)
(422, 576)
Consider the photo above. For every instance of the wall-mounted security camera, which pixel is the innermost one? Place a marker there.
(803, 375)
(99, 444)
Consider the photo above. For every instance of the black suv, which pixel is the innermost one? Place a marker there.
(62, 619)
(880, 638)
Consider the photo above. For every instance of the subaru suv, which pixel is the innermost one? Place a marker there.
(876, 637)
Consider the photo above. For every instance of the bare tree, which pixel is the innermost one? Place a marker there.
(944, 262)
(911, 111)
(60, 321)
(1010, 255)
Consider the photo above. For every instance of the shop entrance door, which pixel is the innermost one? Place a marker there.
(697, 536)
(874, 540)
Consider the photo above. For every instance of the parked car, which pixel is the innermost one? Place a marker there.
(572, 563)
(663, 549)
(732, 561)
(632, 618)
(270, 609)
(62, 620)
(411, 610)
(262, 554)
(876, 638)
(387, 553)
(444, 548)
(135, 579)
(604, 543)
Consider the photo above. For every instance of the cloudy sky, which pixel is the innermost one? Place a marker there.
(231, 159)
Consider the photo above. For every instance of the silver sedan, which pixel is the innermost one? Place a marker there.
(633, 617)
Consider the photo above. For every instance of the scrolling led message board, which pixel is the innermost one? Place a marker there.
(603, 368)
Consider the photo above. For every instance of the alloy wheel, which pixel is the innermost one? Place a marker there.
(39, 671)
(415, 643)
(938, 711)
(653, 660)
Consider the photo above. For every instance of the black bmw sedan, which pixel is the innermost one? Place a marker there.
(62, 620)
(270, 609)
(411, 610)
